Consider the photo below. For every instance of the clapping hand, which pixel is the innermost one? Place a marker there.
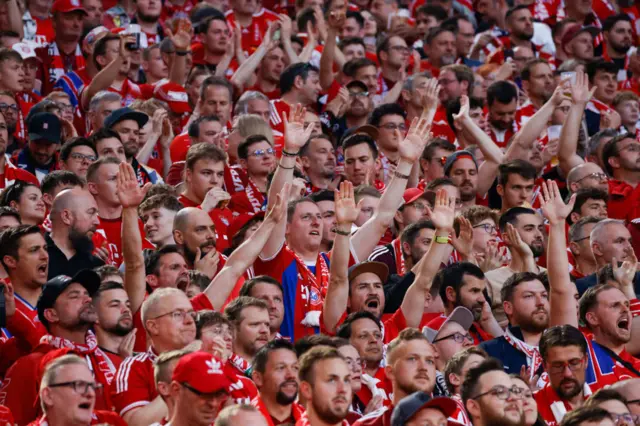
(463, 242)
(515, 242)
(431, 98)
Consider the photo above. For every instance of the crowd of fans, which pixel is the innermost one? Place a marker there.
(316, 212)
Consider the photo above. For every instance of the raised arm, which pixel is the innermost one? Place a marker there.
(561, 298)
(246, 254)
(181, 42)
(336, 22)
(526, 261)
(335, 302)
(534, 127)
(410, 149)
(286, 30)
(15, 18)
(295, 136)
(442, 217)
(131, 195)
(246, 72)
(580, 96)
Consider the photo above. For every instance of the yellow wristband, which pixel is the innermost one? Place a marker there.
(442, 240)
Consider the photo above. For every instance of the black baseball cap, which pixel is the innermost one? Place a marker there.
(126, 113)
(359, 84)
(45, 126)
(412, 404)
(56, 286)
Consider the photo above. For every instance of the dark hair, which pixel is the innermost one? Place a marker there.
(575, 231)
(152, 262)
(383, 110)
(509, 286)
(605, 394)
(168, 201)
(209, 318)
(586, 414)
(305, 16)
(10, 211)
(10, 241)
(503, 92)
(216, 81)
(351, 68)
(513, 10)
(106, 286)
(345, 331)
(67, 147)
(204, 151)
(516, 167)
(59, 177)
(233, 311)
(585, 194)
(456, 362)
(430, 149)
(357, 16)
(612, 20)
(411, 232)
(102, 134)
(309, 359)
(348, 41)
(600, 64)
(243, 148)
(611, 150)
(249, 285)
(511, 216)
(453, 23)
(14, 191)
(305, 344)
(305, 147)
(434, 10)
(358, 139)
(288, 76)
(441, 181)
(323, 195)
(525, 74)
(471, 384)
(453, 276)
(261, 358)
(563, 336)
(194, 127)
(605, 274)
(435, 32)
(100, 47)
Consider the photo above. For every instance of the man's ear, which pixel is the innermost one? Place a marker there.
(614, 162)
(595, 248)
(500, 190)
(451, 295)
(51, 315)
(508, 308)
(257, 379)
(67, 217)
(178, 237)
(10, 261)
(152, 280)
(455, 380)
(575, 248)
(93, 188)
(306, 390)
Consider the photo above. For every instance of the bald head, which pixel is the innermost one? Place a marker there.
(184, 216)
(193, 230)
(584, 176)
(630, 389)
(71, 199)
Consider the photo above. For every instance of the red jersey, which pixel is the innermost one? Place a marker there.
(379, 384)
(297, 411)
(43, 33)
(551, 407)
(112, 230)
(25, 324)
(525, 112)
(98, 417)
(624, 200)
(279, 109)
(440, 127)
(502, 137)
(251, 200)
(129, 91)
(380, 417)
(134, 386)
(253, 34)
(273, 95)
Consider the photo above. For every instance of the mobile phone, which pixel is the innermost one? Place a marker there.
(569, 75)
(133, 45)
(276, 35)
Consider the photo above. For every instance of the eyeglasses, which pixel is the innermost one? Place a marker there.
(596, 175)
(394, 127)
(82, 157)
(419, 206)
(79, 386)
(487, 227)
(262, 152)
(502, 392)
(559, 367)
(458, 337)
(64, 107)
(4, 107)
(180, 315)
(632, 147)
(577, 240)
(220, 393)
(625, 419)
(401, 49)
(359, 94)
(526, 393)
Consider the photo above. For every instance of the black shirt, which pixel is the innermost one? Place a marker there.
(60, 265)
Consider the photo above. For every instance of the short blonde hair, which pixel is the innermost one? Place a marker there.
(252, 124)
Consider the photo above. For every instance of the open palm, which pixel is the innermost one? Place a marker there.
(443, 212)
(346, 209)
(295, 135)
(553, 207)
(130, 193)
(411, 148)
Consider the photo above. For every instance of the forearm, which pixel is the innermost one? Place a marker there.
(492, 326)
(166, 160)
(305, 55)
(567, 155)
(101, 81)
(335, 303)
(178, 71)
(326, 61)
(563, 310)
(288, 50)
(15, 18)
(280, 178)
(153, 412)
(248, 68)
(489, 150)
(532, 129)
(223, 65)
(147, 149)
(487, 173)
(134, 273)
(393, 95)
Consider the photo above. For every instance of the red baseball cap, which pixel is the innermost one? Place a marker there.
(240, 221)
(173, 94)
(202, 372)
(574, 30)
(67, 6)
(412, 194)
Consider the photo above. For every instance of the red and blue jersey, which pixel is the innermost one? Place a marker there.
(603, 370)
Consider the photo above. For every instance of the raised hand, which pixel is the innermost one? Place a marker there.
(626, 272)
(464, 108)
(444, 211)
(181, 39)
(207, 264)
(125, 349)
(279, 209)
(417, 137)
(580, 93)
(337, 19)
(430, 99)
(286, 27)
(130, 193)
(298, 189)
(463, 242)
(560, 94)
(9, 299)
(492, 258)
(513, 239)
(295, 135)
(553, 208)
(157, 120)
(550, 150)
(345, 204)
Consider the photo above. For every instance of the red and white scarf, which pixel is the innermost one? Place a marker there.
(321, 278)
(240, 363)
(397, 253)
(254, 196)
(56, 67)
(534, 360)
(102, 367)
(297, 411)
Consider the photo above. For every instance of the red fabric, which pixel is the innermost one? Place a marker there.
(12, 173)
(134, 386)
(624, 200)
(545, 397)
(380, 417)
(279, 109)
(253, 34)
(129, 91)
(98, 417)
(45, 33)
(179, 147)
(113, 232)
(440, 127)
(5, 415)
(297, 411)
(250, 200)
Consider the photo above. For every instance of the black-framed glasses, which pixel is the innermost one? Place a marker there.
(262, 152)
(595, 175)
(82, 157)
(218, 394)
(625, 419)
(401, 49)
(559, 367)
(79, 386)
(179, 315)
(458, 337)
(502, 392)
(359, 94)
(64, 107)
(581, 239)
(394, 126)
(4, 107)
(487, 227)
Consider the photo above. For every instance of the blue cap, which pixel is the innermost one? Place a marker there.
(454, 157)
(44, 126)
(125, 114)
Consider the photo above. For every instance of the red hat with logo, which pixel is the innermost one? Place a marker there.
(67, 6)
(241, 221)
(202, 372)
(173, 94)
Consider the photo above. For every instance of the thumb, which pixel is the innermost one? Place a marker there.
(571, 203)
(198, 254)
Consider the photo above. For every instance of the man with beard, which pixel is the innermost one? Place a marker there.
(618, 36)
(525, 297)
(325, 383)
(538, 83)
(148, 17)
(502, 102)
(318, 158)
(250, 319)
(440, 47)
(127, 124)
(114, 325)
(563, 346)
(195, 233)
(74, 219)
(490, 397)
(393, 55)
(621, 158)
(411, 367)
(359, 108)
(519, 25)
(522, 230)
(64, 53)
(275, 372)
(40, 156)
(464, 284)
(66, 310)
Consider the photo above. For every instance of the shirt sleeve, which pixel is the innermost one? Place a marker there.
(132, 387)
